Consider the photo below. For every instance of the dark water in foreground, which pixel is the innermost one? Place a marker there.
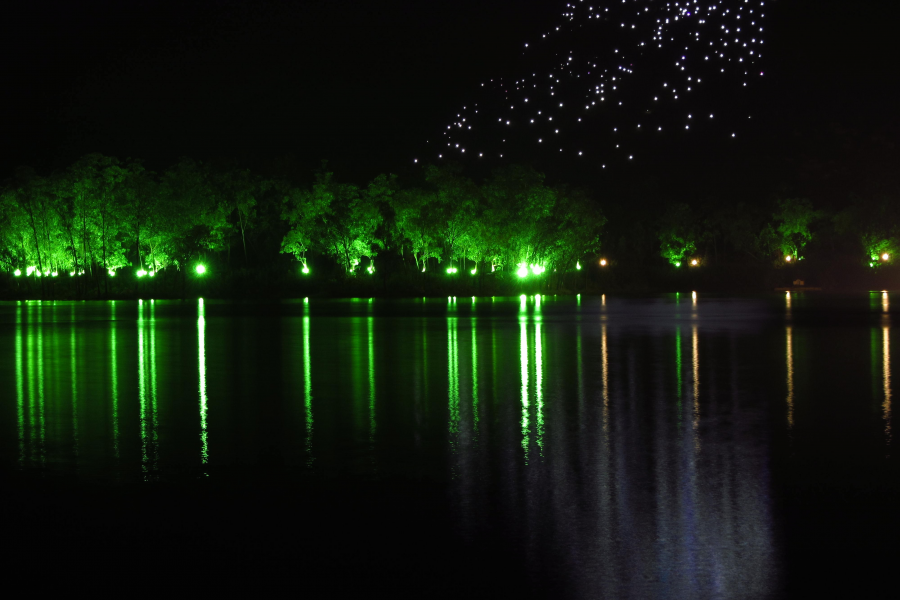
(670, 447)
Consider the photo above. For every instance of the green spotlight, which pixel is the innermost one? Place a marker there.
(200, 269)
(111, 272)
(141, 273)
(678, 264)
(473, 271)
(17, 272)
(523, 270)
(578, 265)
(305, 270)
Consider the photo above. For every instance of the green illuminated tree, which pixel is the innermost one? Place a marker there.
(678, 234)
(792, 229)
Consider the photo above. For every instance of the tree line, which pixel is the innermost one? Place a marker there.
(102, 216)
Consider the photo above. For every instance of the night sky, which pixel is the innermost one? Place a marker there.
(278, 86)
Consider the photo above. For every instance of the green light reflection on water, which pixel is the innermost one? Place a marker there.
(370, 322)
(538, 383)
(475, 415)
(114, 379)
(307, 391)
(453, 383)
(142, 393)
(201, 367)
(523, 359)
(20, 387)
(73, 350)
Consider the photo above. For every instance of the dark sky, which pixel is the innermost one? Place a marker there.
(363, 84)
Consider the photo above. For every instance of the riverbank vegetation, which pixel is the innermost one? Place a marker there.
(105, 227)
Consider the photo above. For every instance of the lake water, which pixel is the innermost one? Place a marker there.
(673, 446)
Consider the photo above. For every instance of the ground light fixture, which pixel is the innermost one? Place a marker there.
(370, 269)
(141, 273)
(305, 270)
(452, 270)
(200, 269)
(522, 271)
(603, 262)
(578, 265)
(111, 272)
(885, 256)
(678, 264)
(694, 262)
(788, 258)
(55, 273)
(17, 272)
(473, 271)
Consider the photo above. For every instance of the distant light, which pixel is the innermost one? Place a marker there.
(141, 273)
(200, 269)
(452, 270)
(885, 256)
(17, 272)
(602, 262)
(305, 270)
(111, 272)
(787, 258)
(522, 271)
(151, 273)
(473, 272)
(694, 262)
(30, 270)
(678, 264)
(578, 265)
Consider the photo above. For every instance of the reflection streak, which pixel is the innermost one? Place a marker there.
(307, 391)
(201, 362)
(886, 406)
(790, 376)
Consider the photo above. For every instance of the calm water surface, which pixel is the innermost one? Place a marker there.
(675, 446)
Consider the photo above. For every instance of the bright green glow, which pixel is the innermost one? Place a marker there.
(17, 272)
(523, 304)
(453, 383)
(307, 391)
(677, 264)
(452, 270)
(370, 269)
(578, 265)
(200, 269)
(871, 264)
(537, 269)
(54, 273)
(305, 270)
(201, 365)
(151, 273)
(141, 273)
(473, 271)
(110, 271)
(523, 270)
(523, 360)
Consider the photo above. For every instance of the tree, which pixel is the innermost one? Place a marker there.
(677, 234)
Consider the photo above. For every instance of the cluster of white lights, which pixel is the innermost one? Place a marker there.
(702, 47)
